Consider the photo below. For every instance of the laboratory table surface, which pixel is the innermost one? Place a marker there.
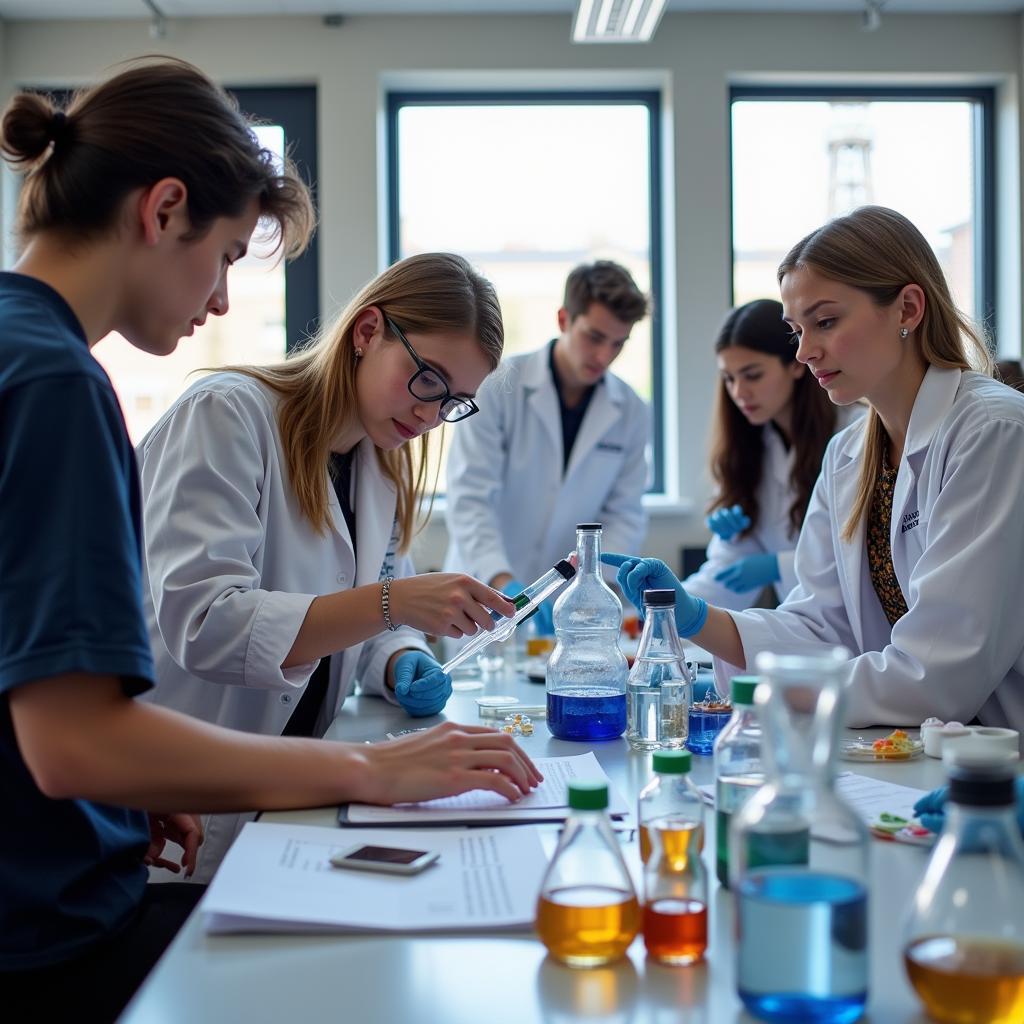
(476, 978)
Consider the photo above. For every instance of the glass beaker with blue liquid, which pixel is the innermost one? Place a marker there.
(587, 672)
(798, 856)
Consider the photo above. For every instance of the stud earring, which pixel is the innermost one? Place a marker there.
(359, 353)
(904, 332)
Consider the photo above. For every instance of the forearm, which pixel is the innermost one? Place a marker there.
(721, 638)
(82, 738)
(335, 622)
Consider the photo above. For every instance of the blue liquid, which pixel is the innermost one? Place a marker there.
(586, 713)
(802, 952)
(704, 729)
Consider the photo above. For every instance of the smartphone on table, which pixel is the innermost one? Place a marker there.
(391, 859)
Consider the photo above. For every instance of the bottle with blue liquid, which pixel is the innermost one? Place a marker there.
(798, 856)
(586, 677)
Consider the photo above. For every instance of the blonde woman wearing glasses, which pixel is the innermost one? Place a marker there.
(279, 505)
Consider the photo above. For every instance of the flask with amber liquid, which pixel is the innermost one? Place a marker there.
(675, 881)
(587, 913)
(672, 797)
(964, 950)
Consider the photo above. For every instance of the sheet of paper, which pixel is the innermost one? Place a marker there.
(483, 805)
(279, 878)
(868, 797)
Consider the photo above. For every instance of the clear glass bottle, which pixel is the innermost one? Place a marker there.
(738, 768)
(659, 690)
(586, 675)
(801, 905)
(671, 816)
(964, 949)
(670, 800)
(587, 912)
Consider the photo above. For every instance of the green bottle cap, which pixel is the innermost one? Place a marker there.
(671, 762)
(742, 689)
(588, 796)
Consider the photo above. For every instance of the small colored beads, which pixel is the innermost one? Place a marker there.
(518, 725)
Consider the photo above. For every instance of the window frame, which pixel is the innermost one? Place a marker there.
(984, 100)
(397, 99)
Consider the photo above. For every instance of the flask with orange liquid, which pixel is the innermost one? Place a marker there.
(964, 950)
(675, 881)
(587, 913)
(672, 797)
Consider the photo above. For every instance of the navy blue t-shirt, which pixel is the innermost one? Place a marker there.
(71, 871)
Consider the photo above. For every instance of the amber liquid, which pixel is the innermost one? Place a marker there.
(966, 981)
(676, 931)
(677, 835)
(587, 925)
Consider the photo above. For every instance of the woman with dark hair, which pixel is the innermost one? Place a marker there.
(772, 423)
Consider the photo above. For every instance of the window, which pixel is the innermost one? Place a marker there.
(526, 186)
(273, 306)
(800, 157)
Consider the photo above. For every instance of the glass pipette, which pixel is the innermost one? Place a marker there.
(526, 604)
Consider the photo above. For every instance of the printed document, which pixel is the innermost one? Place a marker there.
(548, 802)
(279, 878)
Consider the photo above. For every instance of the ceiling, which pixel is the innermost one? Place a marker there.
(13, 10)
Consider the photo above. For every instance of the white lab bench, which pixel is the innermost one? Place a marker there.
(492, 979)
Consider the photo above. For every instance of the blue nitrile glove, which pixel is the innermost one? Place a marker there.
(751, 573)
(420, 685)
(930, 809)
(727, 522)
(544, 618)
(635, 575)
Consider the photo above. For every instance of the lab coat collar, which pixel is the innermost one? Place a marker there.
(934, 399)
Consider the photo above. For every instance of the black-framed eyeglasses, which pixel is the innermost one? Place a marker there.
(428, 385)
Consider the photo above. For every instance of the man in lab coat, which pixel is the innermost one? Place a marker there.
(559, 440)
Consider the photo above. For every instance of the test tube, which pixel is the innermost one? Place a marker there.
(526, 604)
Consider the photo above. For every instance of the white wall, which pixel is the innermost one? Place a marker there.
(694, 57)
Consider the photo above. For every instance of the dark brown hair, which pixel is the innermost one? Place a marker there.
(607, 283)
(157, 118)
(880, 252)
(737, 445)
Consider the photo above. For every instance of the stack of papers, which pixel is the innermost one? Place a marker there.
(548, 802)
(278, 878)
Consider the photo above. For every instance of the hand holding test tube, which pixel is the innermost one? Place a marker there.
(526, 604)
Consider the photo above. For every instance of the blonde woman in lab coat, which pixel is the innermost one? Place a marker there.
(772, 424)
(279, 503)
(911, 551)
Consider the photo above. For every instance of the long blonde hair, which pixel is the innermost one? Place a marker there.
(425, 294)
(880, 252)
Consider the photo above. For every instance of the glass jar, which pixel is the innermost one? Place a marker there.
(670, 796)
(802, 939)
(964, 949)
(738, 768)
(587, 913)
(660, 685)
(587, 672)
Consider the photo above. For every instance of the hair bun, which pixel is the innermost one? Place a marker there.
(30, 124)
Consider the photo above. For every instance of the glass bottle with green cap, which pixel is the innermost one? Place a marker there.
(587, 912)
(675, 882)
(738, 768)
(671, 802)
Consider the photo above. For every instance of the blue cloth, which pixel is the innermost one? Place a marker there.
(750, 573)
(420, 685)
(71, 871)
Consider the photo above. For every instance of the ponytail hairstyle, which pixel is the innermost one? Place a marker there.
(880, 252)
(737, 445)
(425, 294)
(157, 118)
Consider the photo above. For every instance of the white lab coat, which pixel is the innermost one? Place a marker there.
(510, 506)
(232, 565)
(774, 531)
(958, 551)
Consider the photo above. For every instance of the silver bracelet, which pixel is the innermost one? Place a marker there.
(385, 601)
